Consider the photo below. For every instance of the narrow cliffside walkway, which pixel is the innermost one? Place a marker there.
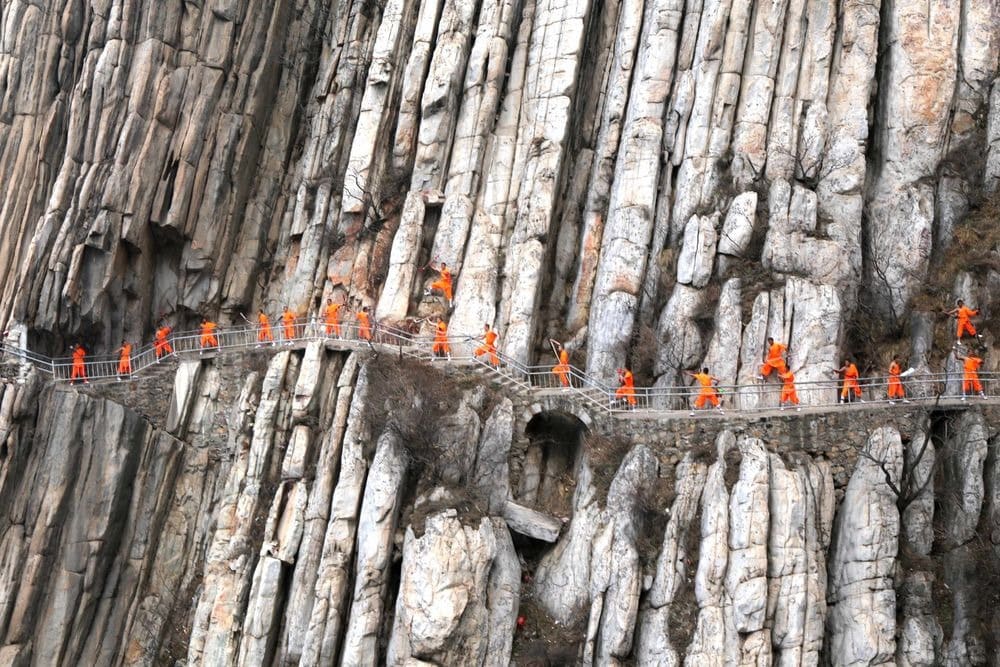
(524, 384)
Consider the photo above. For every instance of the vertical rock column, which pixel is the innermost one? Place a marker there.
(547, 115)
(861, 626)
(632, 205)
(916, 91)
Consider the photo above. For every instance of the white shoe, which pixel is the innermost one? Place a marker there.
(892, 402)
(691, 413)
(861, 400)
(906, 400)
(721, 411)
(781, 407)
(963, 398)
(798, 409)
(982, 395)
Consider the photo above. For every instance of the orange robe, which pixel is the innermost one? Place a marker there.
(970, 375)
(208, 338)
(964, 325)
(775, 360)
(79, 371)
(125, 359)
(627, 389)
(264, 329)
(288, 324)
(562, 369)
(895, 384)
(850, 382)
(708, 393)
(364, 326)
(443, 283)
(161, 344)
(788, 393)
(332, 319)
(441, 340)
(489, 347)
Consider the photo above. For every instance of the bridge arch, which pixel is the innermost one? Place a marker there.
(553, 443)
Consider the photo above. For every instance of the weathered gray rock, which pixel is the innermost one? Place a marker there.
(444, 601)
(861, 624)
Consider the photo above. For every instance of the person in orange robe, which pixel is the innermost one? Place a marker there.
(788, 393)
(895, 384)
(79, 370)
(970, 375)
(964, 315)
(489, 345)
(161, 343)
(626, 388)
(850, 385)
(443, 283)
(331, 317)
(264, 334)
(125, 359)
(708, 393)
(775, 360)
(208, 338)
(364, 324)
(288, 324)
(562, 369)
(441, 347)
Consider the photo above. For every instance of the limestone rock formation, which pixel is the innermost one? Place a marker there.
(660, 185)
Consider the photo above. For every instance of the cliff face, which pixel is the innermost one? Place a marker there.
(661, 184)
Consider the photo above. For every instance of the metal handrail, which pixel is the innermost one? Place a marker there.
(746, 398)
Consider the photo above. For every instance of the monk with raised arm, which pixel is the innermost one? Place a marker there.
(264, 334)
(79, 369)
(562, 369)
(775, 360)
(161, 342)
(125, 359)
(708, 392)
(489, 345)
(850, 385)
(626, 387)
(331, 318)
(970, 375)
(443, 283)
(963, 314)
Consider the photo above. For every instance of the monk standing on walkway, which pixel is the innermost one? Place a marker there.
(161, 343)
(775, 360)
(208, 339)
(125, 359)
(443, 283)
(331, 318)
(364, 324)
(850, 373)
(562, 369)
(708, 392)
(441, 347)
(964, 315)
(626, 388)
(489, 345)
(79, 370)
(788, 393)
(970, 375)
(288, 324)
(895, 384)
(264, 334)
